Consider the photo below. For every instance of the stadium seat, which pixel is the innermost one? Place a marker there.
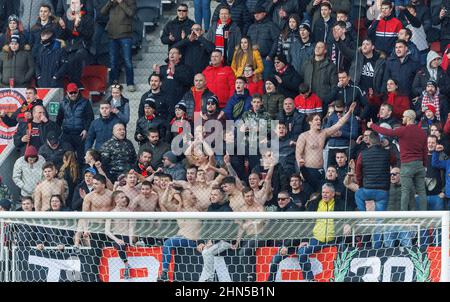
(149, 12)
(94, 80)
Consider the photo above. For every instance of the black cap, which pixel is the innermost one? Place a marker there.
(213, 99)
(181, 105)
(259, 9)
(5, 204)
(53, 138)
(150, 102)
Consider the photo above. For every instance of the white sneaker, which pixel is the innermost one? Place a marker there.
(131, 88)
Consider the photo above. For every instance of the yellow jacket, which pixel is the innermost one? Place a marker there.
(238, 67)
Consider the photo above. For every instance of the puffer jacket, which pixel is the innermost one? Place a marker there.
(232, 111)
(273, 103)
(325, 78)
(118, 157)
(264, 35)
(55, 155)
(100, 131)
(120, 24)
(75, 116)
(17, 65)
(299, 53)
(27, 177)
(189, 100)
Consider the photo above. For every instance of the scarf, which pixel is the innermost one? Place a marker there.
(150, 117)
(143, 171)
(180, 123)
(222, 36)
(432, 100)
(445, 62)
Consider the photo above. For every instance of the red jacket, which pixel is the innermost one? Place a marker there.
(400, 103)
(220, 81)
(309, 105)
(255, 87)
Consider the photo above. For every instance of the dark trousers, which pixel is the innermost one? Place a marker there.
(77, 145)
(76, 62)
(121, 249)
(314, 177)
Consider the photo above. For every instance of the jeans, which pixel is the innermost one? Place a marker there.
(412, 177)
(121, 249)
(314, 177)
(202, 12)
(434, 203)
(115, 45)
(381, 198)
(208, 259)
(303, 256)
(171, 243)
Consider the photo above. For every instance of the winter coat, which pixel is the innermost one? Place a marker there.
(299, 53)
(264, 35)
(55, 155)
(237, 105)
(176, 27)
(295, 122)
(51, 65)
(77, 201)
(349, 131)
(25, 177)
(308, 105)
(196, 54)
(443, 106)
(356, 70)
(75, 116)
(341, 52)
(286, 155)
(290, 82)
(29, 10)
(234, 38)
(88, 7)
(325, 77)
(17, 65)
(143, 124)
(39, 133)
(423, 76)
(161, 101)
(238, 67)
(273, 10)
(284, 44)
(118, 157)
(35, 35)
(79, 37)
(157, 150)
(273, 103)
(239, 14)
(189, 100)
(123, 107)
(120, 24)
(100, 131)
(404, 73)
(175, 88)
(323, 31)
(384, 33)
(373, 166)
(444, 22)
(220, 81)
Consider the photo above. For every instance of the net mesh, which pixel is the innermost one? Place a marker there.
(123, 250)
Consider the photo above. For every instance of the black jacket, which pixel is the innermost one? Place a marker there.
(225, 207)
(79, 37)
(175, 88)
(35, 35)
(196, 54)
(289, 6)
(143, 124)
(161, 101)
(55, 155)
(290, 82)
(280, 181)
(188, 99)
(356, 69)
(295, 122)
(75, 116)
(39, 133)
(287, 155)
(444, 22)
(341, 52)
(264, 34)
(77, 201)
(51, 65)
(157, 152)
(349, 94)
(239, 14)
(422, 77)
(375, 168)
(323, 31)
(175, 27)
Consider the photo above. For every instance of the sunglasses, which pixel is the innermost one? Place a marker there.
(73, 92)
(283, 198)
(394, 174)
(182, 10)
(210, 103)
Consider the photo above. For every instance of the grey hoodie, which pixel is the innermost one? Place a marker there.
(433, 71)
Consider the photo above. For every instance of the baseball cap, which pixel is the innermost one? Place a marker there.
(72, 87)
(5, 204)
(53, 138)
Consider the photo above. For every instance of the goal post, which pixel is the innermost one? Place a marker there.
(217, 246)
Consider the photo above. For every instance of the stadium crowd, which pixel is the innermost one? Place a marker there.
(359, 89)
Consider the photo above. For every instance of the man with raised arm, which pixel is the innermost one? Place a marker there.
(146, 201)
(310, 145)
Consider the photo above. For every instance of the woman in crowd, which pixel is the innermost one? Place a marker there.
(289, 34)
(70, 173)
(247, 54)
(120, 105)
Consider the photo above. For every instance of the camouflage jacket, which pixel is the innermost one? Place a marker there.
(118, 157)
(255, 119)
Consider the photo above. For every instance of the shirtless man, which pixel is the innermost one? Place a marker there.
(146, 201)
(99, 200)
(234, 193)
(48, 187)
(130, 185)
(202, 188)
(310, 145)
(171, 200)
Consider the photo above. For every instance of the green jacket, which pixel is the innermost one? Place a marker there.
(273, 103)
(120, 24)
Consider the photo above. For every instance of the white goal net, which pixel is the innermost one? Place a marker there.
(225, 247)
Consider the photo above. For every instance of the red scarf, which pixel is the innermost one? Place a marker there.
(283, 70)
(445, 62)
(179, 123)
(143, 170)
(222, 34)
(197, 94)
(75, 32)
(150, 117)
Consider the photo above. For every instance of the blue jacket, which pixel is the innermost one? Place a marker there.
(404, 73)
(233, 101)
(75, 116)
(445, 165)
(348, 132)
(100, 131)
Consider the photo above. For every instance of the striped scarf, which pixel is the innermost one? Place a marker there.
(432, 100)
(222, 35)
